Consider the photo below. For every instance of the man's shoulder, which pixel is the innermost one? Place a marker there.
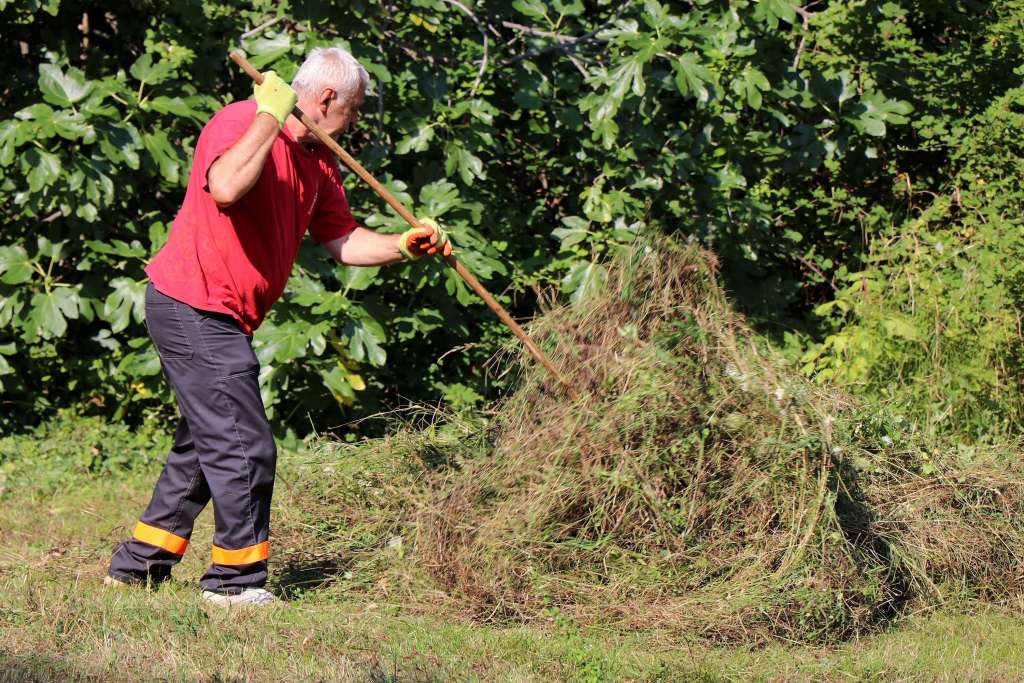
(226, 126)
(242, 111)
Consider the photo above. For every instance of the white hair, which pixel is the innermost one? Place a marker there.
(330, 67)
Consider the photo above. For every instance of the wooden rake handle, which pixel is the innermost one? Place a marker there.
(474, 284)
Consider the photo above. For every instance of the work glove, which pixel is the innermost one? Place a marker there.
(415, 243)
(275, 97)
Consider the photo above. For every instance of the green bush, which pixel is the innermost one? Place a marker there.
(932, 325)
(70, 449)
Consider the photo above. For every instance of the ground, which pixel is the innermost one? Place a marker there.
(57, 622)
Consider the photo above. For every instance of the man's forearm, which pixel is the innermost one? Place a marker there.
(237, 170)
(363, 247)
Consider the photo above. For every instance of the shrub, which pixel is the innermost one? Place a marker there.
(932, 325)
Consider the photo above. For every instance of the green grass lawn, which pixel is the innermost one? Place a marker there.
(57, 622)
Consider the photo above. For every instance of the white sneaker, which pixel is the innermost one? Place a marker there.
(250, 596)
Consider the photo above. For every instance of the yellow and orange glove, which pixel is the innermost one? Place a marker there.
(275, 97)
(428, 240)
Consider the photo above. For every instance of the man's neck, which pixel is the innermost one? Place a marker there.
(297, 128)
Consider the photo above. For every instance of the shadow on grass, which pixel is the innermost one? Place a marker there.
(304, 574)
(41, 668)
(29, 668)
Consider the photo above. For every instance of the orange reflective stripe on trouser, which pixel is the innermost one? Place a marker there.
(172, 543)
(254, 553)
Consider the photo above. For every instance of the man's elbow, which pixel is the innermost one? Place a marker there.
(223, 187)
(224, 194)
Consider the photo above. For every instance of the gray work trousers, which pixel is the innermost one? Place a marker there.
(223, 450)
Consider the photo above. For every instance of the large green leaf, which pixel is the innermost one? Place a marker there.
(337, 381)
(365, 336)
(41, 167)
(47, 248)
(875, 110)
(281, 343)
(11, 136)
(176, 106)
(456, 286)
(534, 9)
(774, 10)
(459, 158)
(144, 363)
(750, 84)
(63, 88)
(692, 77)
(164, 154)
(38, 122)
(120, 142)
(357, 277)
(597, 204)
(146, 71)
(439, 197)
(118, 248)
(629, 76)
(49, 312)
(15, 265)
(99, 187)
(416, 142)
(574, 232)
(584, 279)
(126, 300)
(11, 308)
(267, 49)
(73, 126)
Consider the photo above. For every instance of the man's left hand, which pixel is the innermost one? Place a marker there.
(427, 240)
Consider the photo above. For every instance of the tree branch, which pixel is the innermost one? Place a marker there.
(567, 43)
(806, 16)
(539, 32)
(483, 62)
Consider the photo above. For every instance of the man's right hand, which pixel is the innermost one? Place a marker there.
(274, 97)
(427, 240)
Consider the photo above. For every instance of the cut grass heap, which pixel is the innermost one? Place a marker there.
(699, 485)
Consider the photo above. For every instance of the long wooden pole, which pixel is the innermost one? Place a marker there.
(239, 59)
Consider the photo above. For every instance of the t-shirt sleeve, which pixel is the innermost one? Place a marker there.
(332, 217)
(223, 131)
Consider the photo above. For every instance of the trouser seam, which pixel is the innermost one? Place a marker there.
(187, 495)
(248, 469)
(234, 426)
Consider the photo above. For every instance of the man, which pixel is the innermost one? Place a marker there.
(259, 182)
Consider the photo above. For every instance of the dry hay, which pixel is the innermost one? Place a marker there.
(699, 484)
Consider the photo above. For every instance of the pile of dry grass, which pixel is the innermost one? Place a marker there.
(958, 530)
(699, 484)
(694, 485)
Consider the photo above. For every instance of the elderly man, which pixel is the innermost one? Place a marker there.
(259, 182)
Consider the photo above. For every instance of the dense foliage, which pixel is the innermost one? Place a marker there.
(547, 135)
(933, 322)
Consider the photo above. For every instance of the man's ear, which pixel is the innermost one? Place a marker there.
(324, 101)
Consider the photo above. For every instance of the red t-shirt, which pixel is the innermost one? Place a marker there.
(237, 260)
